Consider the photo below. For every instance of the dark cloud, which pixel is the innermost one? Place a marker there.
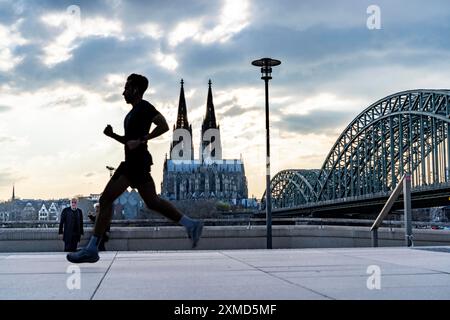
(8, 12)
(226, 103)
(323, 46)
(92, 61)
(237, 110)
(319, 122)
(167, 13)
(307, 55)
(338, 14)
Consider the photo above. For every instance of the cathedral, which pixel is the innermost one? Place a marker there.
(209, 176)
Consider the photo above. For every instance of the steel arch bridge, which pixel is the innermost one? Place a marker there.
(405, 132)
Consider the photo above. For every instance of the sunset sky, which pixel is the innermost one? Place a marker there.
(62, 73)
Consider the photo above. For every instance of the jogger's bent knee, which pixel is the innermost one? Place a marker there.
(105, 201)
(154, 204)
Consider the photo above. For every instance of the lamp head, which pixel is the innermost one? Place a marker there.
(266, 65)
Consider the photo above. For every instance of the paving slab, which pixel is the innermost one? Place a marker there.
(281, 274)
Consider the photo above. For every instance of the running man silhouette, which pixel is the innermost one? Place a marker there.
(135, 170)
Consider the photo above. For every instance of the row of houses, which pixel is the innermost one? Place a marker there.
(32, 211)
(127, 206)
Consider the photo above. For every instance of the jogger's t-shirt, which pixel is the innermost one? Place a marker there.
(137, 124)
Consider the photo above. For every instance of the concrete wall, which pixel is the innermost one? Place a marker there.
(230, 237)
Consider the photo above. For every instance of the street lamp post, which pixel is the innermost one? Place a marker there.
(266, 65)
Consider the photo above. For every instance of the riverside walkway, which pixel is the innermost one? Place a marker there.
(279, 274)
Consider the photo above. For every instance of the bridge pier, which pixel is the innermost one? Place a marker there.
(407, 209)
(375, 238)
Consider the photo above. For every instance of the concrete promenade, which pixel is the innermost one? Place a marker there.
(279, 274)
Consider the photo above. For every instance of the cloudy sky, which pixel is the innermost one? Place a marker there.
(63, 65)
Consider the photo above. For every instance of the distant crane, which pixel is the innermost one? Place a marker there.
(111, 170)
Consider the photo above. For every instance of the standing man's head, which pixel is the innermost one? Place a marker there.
(135, 88)
(74, 203)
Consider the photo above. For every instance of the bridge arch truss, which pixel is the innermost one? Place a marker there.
(405, 132)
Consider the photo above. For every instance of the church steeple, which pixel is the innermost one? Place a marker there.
(182, 123)
(210, 118)
(182, 118)
(13, 194)
(209, 122)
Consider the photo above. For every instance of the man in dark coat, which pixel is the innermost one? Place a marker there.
(71, 226)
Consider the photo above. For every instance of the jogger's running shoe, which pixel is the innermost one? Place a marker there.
(83, 256)
(195, 233)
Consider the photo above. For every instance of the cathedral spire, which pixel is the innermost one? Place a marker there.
(210, 119)
(210, 145)
(182, 119)
(182, 123)
(13, 194)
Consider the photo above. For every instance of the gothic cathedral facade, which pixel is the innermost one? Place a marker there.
(208, 177)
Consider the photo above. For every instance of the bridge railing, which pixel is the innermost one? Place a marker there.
(405, 185)
(249, 222)
(375, 195)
